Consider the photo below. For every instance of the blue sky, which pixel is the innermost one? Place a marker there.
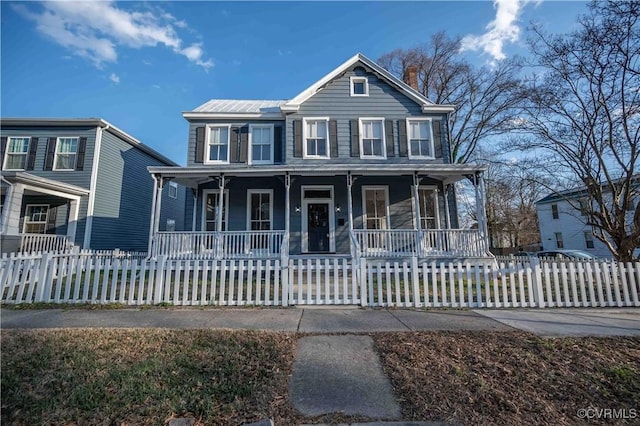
(140, 64)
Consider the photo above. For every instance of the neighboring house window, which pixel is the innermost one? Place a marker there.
(372, 143)
(584, 207)
(261, 144)
(173, 190)
(211, 210)
(35, 219)
(316, 139)
(420, 138)
(171, 225)
(588, 240)
(66, 151)
(218, 144)
(260, 207)
(428, 201)
(359, 86)
(17, 151)
(554, 211)
(559, 242)
(375, 206)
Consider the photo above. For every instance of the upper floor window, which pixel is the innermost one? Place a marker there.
(218, 143)
(316, 140)
(66, 151)
(173, 190)
(17, 151)
(554, 211)
(372, 142)
(359, 86)
(261, 143)
(420, 138)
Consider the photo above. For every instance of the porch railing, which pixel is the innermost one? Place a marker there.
(430, 242)
(34, 243)
(221, 245)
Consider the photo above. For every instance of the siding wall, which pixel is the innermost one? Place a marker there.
(124, 192)
(73, 177)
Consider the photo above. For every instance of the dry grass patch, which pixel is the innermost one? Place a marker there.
(510, 377)
(106, 376)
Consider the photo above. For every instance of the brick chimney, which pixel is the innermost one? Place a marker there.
(410, 77)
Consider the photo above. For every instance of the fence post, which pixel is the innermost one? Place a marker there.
(45, 260)
(284, 278)
(536, 276)
(415, 278)
(159, 281)
(363, 282)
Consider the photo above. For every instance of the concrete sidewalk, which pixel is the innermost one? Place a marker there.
(545, 322)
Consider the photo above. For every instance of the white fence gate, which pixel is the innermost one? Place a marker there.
(103, 278)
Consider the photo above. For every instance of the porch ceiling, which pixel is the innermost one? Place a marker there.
(193, 176)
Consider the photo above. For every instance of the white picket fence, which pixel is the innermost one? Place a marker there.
(102, 278)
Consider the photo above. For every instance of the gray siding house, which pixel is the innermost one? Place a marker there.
(358, 164)
(78, 182)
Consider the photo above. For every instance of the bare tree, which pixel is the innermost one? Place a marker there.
(583, 110)
(484, 98)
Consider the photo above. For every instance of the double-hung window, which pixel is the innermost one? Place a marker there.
(218, 144)
(16, 155)
(66, 152)
(261, 143)
(211, 207)
(35, 219)
(428, 201)
(420, 138)
(260, 209)
(316, 137)
(375, 200)
(372, 142)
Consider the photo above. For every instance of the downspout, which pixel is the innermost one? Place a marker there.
(92, 186)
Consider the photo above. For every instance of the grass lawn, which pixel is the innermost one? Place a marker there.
(117, 376)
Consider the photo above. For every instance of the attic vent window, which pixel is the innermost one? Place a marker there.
(359, 86)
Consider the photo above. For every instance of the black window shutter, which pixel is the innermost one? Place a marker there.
(333, 137)
(388, 127)
(437, 138)
(277, 144)
(3, 141)
(297, 138)
(199, 145)
(51, 220)
(31, 157)
(51, 150)
(244, 144)
(234, 145)
(402, 138)
(355, 139)
(82, 148)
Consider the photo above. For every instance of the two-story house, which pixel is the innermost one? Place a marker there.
(78, 182)
(357, 164)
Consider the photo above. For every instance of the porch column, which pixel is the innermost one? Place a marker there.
(152, 220)
(287, 203)
(11, 210)
(73, 220)
(221, 184)
(350, 200)
(485, 227)
(480, 212)
(446, 206)
(195, 205)
(416, 197)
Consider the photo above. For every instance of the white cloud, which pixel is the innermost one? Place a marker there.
(503, 29)
(113, 77)
(96, 30)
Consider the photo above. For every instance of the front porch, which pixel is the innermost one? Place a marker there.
(270, 212)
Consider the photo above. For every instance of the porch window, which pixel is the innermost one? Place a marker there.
(420, 138)
(66, 150)
(559, 242)
(428, 201)
(16, 156)
(315, 136)
(376, 205)
(218, 145)
(35, 219)
(211, 210)
(261, 144)
(372, 143)
(260, 210)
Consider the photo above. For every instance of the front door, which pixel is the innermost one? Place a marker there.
(318, 227)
